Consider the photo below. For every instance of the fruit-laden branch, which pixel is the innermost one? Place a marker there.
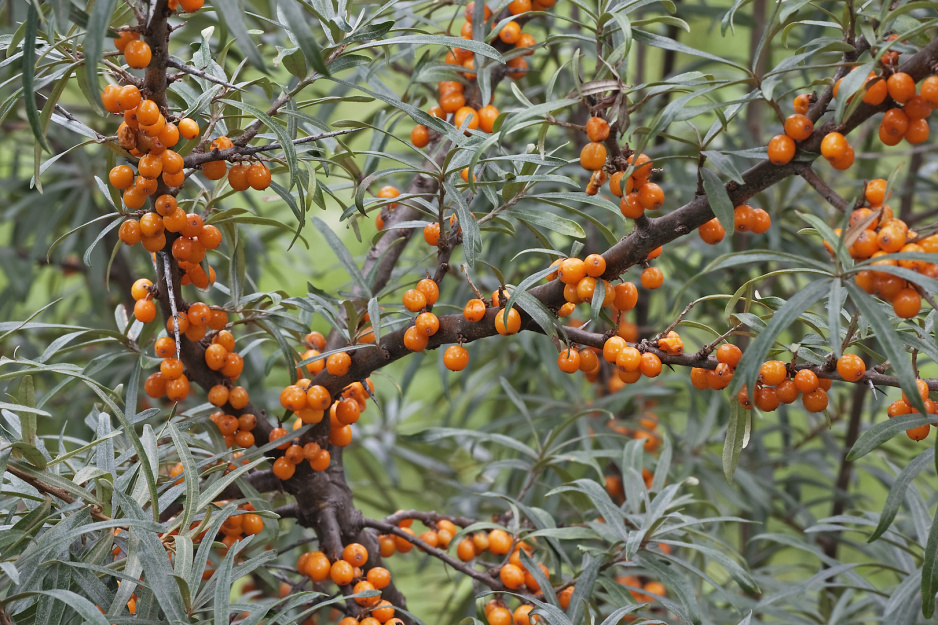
(649, 234)
(198, 158)
(468, 569)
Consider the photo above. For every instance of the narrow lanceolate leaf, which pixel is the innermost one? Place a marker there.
(98, 23)
(719, 200)
(342, 253)
(29, 73)
(897, 491)
(881, 432)
(783, 318)
(891, 341)
(477, 47)
(304, 35)
(930, 571)
(189, 474)
(737, 431)
(231, 13)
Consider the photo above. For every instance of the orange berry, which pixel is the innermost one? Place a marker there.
(339, 363)
(651, 196)
(597, 129)
(901, 87)
(592, 156)
(781, 149)
(798, 127)
(455, 358)
(850, 367)
(510, 326)
(652, 278)
(802, 103)
(474, 310)
(773, 372)
(283, 468)
(806, 381)
(833, 146)
(815, 401)
(712, 232)
(431, 234)
(516, 7)
(258, 176)
(137, 54)
(650, 365)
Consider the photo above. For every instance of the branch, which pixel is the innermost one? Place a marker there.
(197, 158)
(172, 62)
(459, 565)
(56, 492)
(427, 518)
(824, 190)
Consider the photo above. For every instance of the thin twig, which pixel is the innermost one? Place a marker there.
(823, 189)
(217, 155)
(187, 69)
(56, 492)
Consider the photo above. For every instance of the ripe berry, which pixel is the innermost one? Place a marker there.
(802, 103)
(815, 401)
(339, 363)
(806, 381)
(137, 54)
(901, 87)
(414, 300)
(907, 303)
(474, 310)
(592, 156)
(712, 232)
(773, 372)
(650, 365)
(651, 196)
(850, 367)
(652, 278)
(597, 129)
(431, 234)
(798, 127)
(729, 354)
(781, 149)
(626, 296)
(258, 176)
(511, 325)
(569, 360)
(833, 146)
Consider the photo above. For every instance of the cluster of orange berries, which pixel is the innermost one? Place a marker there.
(650, 589)
(193, 324)
(452, 98)
(437, 535)
(147, 134)
(883, 234)
(344, 572)
(310, 401)
(904, 406)
(241, 175)
(497, 611)
(907, 120)
(777, 384)
(237, 526)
